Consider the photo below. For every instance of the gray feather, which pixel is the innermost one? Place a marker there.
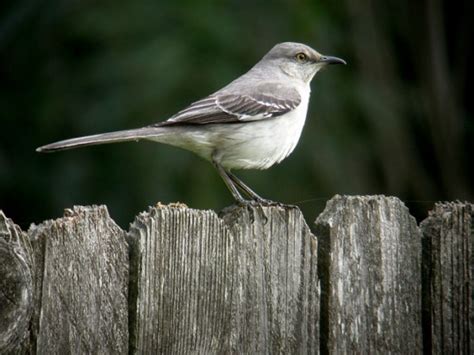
(261, 102)
(103, 138)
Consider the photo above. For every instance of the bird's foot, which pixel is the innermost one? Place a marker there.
(265, 202)
(262, 202)
(252, 205)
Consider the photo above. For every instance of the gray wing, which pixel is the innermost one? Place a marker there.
(233, 107)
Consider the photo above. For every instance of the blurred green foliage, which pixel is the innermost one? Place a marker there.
(397, 120)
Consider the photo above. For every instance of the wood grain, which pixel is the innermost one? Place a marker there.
(16, 288)
(83, 287)
(243, 283)
(448, 271)
(370, 270)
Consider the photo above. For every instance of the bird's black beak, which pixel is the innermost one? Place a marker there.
(327, 59)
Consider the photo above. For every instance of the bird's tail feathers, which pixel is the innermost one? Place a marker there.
(103, 138)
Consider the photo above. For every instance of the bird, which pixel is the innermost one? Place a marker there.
(254, 122)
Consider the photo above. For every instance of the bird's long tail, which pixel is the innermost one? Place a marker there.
(103, 138)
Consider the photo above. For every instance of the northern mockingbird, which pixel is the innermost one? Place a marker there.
(252, 123)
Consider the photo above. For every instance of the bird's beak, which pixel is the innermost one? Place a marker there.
(327, 59)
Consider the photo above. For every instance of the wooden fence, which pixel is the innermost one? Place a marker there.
(250, 280)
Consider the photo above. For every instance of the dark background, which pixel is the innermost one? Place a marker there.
(397, 120)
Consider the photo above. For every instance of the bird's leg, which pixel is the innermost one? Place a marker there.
(230, 180)
(252, 194)
(256, 198)
(229, 183)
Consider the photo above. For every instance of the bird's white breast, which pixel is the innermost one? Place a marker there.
(260, 144)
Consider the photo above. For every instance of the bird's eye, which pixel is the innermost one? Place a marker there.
(301, 57)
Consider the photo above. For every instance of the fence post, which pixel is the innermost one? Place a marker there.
(370, 272)
(67, 285)
(84, 278)
(448, 278)
(243, 283)
(16, 288)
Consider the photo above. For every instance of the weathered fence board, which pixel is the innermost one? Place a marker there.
(449, 278)
(278, 293)
(83, 299)
(250, 280)
(183, 280)
(370, 270)
(72, 276)
(16, 288)
(245, 283)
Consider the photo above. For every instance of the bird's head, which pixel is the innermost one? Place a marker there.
(298, 60)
